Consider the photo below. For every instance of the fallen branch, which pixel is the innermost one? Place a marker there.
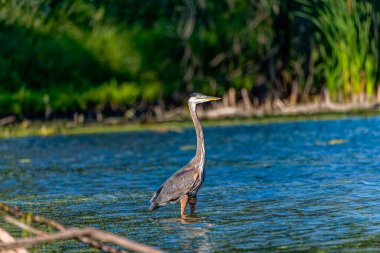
(25, 227)
(7, 238)
(7, 120)
(89, 236)
(75, 233)
(83, 239)
(16, 212)
(280, 108)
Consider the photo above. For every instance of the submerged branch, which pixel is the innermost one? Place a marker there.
(7, 238)
(25, 227)
(75, 233)
(90, 236)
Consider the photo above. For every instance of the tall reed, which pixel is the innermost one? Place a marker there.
(346, 44)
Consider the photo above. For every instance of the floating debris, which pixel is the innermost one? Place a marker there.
(331, 142)
(336, 141)
(24, 160)
(187, 147)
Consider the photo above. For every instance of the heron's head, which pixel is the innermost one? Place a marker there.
(197, 98)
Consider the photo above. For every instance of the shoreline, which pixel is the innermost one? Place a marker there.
(67, 127)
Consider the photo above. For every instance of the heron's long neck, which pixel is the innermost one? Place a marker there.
(200, 154)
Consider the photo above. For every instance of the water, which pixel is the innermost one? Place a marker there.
(302, 186)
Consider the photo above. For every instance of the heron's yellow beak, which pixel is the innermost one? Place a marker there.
(210, 98)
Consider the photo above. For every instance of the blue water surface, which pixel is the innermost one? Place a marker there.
(283, 187)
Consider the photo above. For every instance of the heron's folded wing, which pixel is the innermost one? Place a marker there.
(176, 186)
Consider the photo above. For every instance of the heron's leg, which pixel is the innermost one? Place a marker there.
(193, 202)
(184, 199)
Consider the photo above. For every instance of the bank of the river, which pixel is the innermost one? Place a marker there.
(66, 127)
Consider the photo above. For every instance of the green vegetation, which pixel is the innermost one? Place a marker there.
(347, 46)
(61, 57)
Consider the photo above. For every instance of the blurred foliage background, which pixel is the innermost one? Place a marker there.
(63, 56)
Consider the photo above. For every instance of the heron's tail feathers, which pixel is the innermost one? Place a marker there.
(153, 207)
(153, 204)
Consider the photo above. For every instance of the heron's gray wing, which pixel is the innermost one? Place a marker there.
(175, 187)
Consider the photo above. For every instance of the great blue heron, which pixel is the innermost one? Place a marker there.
(184, 184)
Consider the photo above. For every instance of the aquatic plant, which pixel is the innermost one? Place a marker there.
(346, 45)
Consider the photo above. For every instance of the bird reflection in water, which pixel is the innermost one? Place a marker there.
(193, 232)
